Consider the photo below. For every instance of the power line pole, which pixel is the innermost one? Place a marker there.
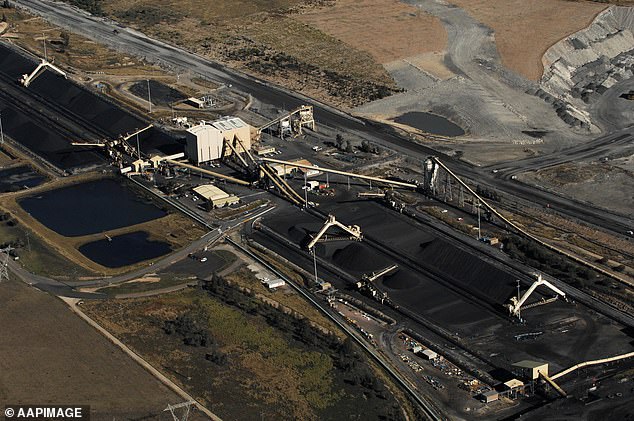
(305, 190)
(186, 406)
(315, 261)
(4, 263)
(44, 42)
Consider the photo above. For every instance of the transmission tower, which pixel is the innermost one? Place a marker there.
(4, 263)
(186, 408)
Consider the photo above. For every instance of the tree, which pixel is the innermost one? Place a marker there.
(65, 38)
(339, 141)
(368, 147)
(191, 326)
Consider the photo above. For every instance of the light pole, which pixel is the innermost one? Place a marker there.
(479, 233)
(44, 42)
(149, 98)
(305, 189)
(1, 131)
(315, 262)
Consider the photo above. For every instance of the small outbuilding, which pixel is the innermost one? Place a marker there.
(489, 396)
(429, 354)
(273, 283)
(264, 150)
(513, 384)
(195, 102)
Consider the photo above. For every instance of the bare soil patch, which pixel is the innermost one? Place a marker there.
(388, 30)
(602, 184)
(525, 29)
(51, 356)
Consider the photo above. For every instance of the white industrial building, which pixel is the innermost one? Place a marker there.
(273, 283)
(206, 141)
(216, 196)
(429, 354)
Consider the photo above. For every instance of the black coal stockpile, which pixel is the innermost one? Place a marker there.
(360, 258)
(14, 65)
(159, 92)
(44, 142)
(87, 105)
(101, 113)
(401, 280)
(468, 270)
(84, 103)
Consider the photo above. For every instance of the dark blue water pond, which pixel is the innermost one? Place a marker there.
(124, 250)
(430, 123)
(18, 178)
(159, 92)
(91, 207)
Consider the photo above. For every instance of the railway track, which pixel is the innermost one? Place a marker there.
(428, 409)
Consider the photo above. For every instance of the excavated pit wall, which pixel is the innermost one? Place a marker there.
(582, 66)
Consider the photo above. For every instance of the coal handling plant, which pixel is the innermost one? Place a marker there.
(469, 307)
(519, 334)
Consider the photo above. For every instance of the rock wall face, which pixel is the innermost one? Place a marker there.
(582, 66)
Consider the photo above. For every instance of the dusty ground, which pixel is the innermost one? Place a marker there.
(51, 355)
(80, 53)
(5, 160)
(267, 39)
(601, 184)
(525, 29)
(388, 30)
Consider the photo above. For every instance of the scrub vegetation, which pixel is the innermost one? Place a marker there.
(228, 347)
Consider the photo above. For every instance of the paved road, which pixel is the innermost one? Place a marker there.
(172, 57)
(70, 289)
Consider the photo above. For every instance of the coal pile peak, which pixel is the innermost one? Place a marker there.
(360, 258)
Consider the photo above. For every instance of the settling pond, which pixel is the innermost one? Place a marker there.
(160, 93)
(124, 250)
(18, 178)
(90, 208)
(430, 123)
